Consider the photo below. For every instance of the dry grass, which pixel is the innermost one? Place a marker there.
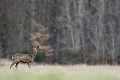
(59, 72)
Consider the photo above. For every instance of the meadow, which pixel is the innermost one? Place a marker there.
(59, 72)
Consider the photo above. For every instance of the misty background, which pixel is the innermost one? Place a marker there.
(80, 31)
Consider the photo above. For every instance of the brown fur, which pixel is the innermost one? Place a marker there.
(24, 58)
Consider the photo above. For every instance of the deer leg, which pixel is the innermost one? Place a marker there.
(12, 64)
(16, 64)
(29, 65)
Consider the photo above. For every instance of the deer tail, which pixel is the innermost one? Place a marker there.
(13, 57)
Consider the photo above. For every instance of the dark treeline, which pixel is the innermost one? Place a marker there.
(81, 31)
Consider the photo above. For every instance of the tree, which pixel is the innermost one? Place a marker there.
(39, 37)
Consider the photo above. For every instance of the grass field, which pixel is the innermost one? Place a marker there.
(59, 72)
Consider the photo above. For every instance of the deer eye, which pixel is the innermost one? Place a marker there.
(37, 46)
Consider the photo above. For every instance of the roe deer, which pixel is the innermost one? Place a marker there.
(24, 58)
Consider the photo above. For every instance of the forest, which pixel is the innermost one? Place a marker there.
(68, 31)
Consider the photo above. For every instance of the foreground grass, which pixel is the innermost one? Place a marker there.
(47, 72)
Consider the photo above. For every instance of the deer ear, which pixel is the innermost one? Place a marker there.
(37, 46)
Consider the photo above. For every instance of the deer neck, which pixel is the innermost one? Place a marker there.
(33, 55)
